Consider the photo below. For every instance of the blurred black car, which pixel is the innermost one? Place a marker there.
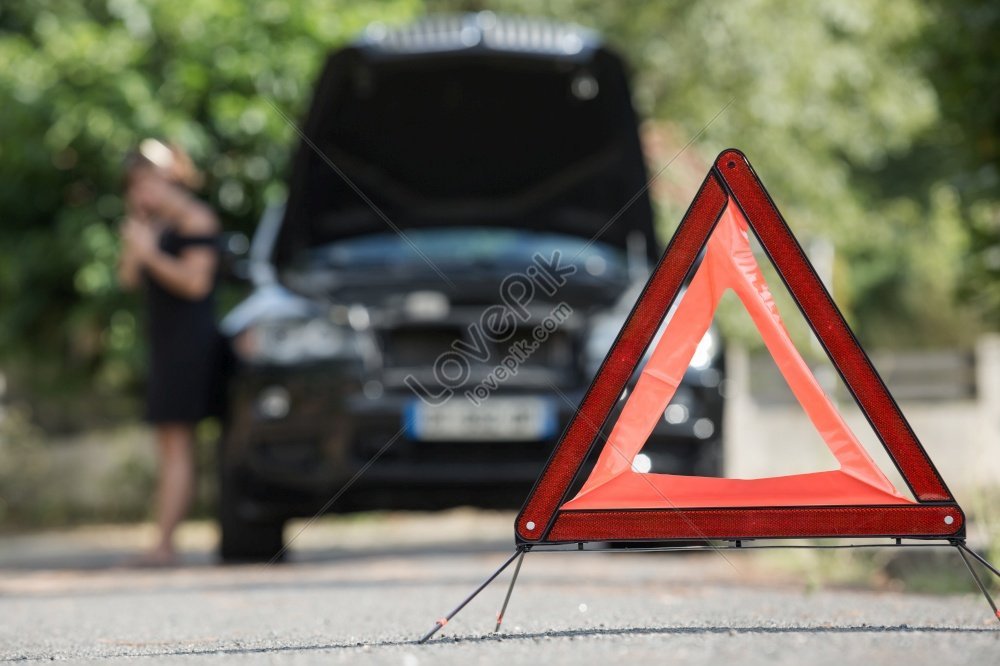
(460, 183)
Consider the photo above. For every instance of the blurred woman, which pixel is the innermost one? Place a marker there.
(169, 247)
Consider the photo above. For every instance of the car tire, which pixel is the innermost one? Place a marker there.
(243, 540)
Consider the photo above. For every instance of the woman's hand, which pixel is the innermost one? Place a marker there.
(140, 240)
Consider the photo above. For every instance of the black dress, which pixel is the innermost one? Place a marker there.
(186, 349)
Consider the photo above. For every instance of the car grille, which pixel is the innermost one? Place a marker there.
(418, 347)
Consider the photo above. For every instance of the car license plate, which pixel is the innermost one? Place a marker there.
(497, 419)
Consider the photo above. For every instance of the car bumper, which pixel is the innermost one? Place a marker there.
(331, 437)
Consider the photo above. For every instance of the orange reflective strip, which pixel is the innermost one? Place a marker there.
(728, 264)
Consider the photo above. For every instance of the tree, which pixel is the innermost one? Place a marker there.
(960, 55)
(826, 98)
(82, 83)
(874, 125)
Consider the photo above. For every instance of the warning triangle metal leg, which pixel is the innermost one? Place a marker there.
(980, 559)
(482, 586)
(962, 550)
(510, 590)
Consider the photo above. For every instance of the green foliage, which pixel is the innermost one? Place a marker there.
(827, 98)
(80, 84)
(874, 124)
(961, 54)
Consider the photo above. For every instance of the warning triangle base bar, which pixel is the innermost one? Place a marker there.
(757, 523)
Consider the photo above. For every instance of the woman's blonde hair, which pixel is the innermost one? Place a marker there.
(169, 159)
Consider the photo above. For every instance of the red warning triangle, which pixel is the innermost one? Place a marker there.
(617, 503)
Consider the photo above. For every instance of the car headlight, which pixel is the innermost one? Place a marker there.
(600, 337)
(605, 329)
(705, 351)
(295, 341)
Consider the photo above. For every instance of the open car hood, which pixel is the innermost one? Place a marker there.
(469, 120)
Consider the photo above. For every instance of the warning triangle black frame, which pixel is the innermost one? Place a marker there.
(935, 513)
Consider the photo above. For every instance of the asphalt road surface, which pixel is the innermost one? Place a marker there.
(362, 591)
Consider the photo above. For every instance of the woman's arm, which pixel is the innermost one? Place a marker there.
(129, 264)
(190, 275)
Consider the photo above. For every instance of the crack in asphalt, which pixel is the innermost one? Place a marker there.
(540, 635)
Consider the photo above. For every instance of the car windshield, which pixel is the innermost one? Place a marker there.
(467, 248)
